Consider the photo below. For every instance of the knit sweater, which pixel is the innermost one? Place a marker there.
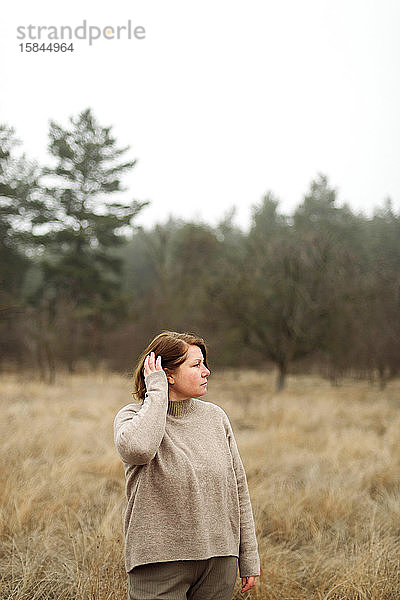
(185, 482)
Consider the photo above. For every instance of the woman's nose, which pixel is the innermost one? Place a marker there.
(206, 372)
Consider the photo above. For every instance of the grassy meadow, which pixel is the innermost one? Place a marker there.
(322, 462)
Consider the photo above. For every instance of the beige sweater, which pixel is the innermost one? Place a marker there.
(185, 483)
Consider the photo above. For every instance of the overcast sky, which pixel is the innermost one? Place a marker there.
(222, 100)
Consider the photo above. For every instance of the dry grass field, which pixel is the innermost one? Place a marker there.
(323, 467)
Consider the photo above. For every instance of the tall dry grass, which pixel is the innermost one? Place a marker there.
(323, 468)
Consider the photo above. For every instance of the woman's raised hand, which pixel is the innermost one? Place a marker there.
(151, 364)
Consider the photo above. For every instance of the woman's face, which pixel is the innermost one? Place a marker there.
(190, 378)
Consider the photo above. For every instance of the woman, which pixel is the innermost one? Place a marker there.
(188, 521)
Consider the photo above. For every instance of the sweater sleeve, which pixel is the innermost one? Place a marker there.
(249, 560)
(138, 434)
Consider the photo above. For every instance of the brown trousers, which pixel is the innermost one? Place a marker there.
(210, 579)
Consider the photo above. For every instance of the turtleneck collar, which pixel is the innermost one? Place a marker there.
(180, 408)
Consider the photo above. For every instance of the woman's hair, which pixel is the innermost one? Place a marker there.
(172, 347)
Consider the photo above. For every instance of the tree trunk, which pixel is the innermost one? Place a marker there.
(40, 360)
(382, 377)
(281, 377)
(50, 363)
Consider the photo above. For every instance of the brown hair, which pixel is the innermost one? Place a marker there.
(172, 347)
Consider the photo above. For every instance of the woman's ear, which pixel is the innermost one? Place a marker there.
(170, 378)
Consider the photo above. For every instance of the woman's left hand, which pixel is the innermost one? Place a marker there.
(248, 582)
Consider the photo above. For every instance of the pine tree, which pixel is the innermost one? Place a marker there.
(19, 202)
(81, 270)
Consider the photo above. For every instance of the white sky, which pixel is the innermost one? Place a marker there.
(223, 100)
